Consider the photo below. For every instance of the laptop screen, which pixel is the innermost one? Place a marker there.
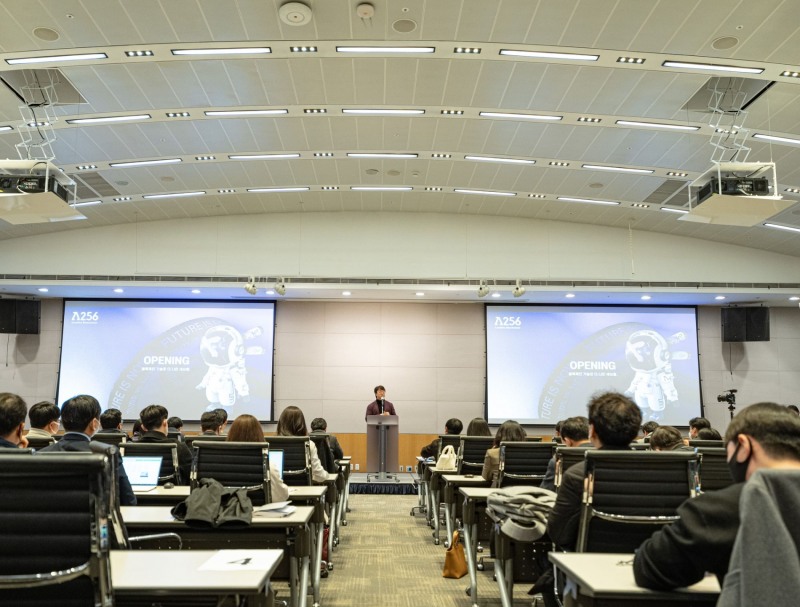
(142, 471)
(276, 460)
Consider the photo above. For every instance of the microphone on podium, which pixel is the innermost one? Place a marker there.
(380, 406)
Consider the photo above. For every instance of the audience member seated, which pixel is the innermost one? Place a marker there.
(154, 423)
(574, 433)
(293, 423)
(111, 422)
(451, 426)
(557, 431)
(12, 421)
(320, 426)
(667, 438)
(764, 435)
(508, 431)
(708, 434)
(247, 429)
(647, 430)
(478, 427)
(696, 424)
(614, 421)
(80, 416)
(222, 416)
(137, 431)
(44, 418)
(209, 424)
(175, 424)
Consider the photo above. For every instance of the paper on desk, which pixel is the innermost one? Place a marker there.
(237, 560)
(271, 506)
(275, 509)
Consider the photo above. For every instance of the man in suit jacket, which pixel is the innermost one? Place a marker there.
(380, 406)
(12, 421)
(154, 423)
(44, 418)
(80, 416)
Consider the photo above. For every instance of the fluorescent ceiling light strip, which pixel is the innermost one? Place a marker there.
(385, 49)
(87, 203)
(549, 55)
(6, 128)
(371, 188)
(174, 195)
(380, 111)
(780, 227)
(139, 163)
(519, 116)
(658, 125)
(506, 160)
(484, 192)
(379, 155)
(244, 112)
(588, 200)
(260, 190)
(776, 139)
(56, 58)
(600, 167)
(103, 119)
(669, 210)
(255, 50)
(712, 67)
(261, 156)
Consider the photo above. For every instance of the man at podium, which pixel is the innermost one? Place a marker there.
(380, 406)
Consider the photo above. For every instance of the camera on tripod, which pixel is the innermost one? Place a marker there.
(728, 397)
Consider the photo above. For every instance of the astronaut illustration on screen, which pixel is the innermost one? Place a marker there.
(223, 350)
(653, 385)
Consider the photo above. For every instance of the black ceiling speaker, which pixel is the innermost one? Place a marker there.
(745, 324)
(19, 316)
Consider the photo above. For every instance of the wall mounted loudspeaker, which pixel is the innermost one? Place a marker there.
(19, 316)
(745, 324)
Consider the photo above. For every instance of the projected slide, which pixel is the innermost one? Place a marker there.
(545, 362)
(188, 356)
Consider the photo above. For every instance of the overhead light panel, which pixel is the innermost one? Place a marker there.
(122, 199)
(380, 155)
(452, 112)
(777, 139)
(304, 49)
(501, 160)
(6, 127)
(790, 74)
(56, 58)
(386, 49)
(636, 60)
(549, 55)
(245, 112)
(604, 167)
(141, 163)
(138, 53)
(433, 188)
(516, 116)
(792, 190)
(558, 163)
(330, 188)
(672, 210)
(377, 188)
(591, 119)
(658, 125)
(588, 200)
(106, 119)
(204, 158)
(484, 192)
(380, 111)
(226, 191)
(536, 196)
(262, 156)
(276, 190)
(469, 50)
(254, 50)
(438, 155)
(676, 174)
(780, 227)
(178, 114)
(88, 203)
(315, 110)
(86, 167)
(323, 154)
(713, 67)
(174, 195)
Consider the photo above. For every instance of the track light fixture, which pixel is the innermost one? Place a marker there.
(483, 289)
(280, 287)
(250, 286)
(519, 290)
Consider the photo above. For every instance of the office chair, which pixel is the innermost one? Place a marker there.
(566, 457)
(471, 453)
(629, 494)
(523, 462)
(713, 469)
(54, 512)
(233, 464)
(40, 443)
(170, 470)
(110, 438)
(698, 442)
(206, 437)
(296, 458)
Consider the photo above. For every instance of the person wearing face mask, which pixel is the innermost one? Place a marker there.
(80, 416)
(762, 436)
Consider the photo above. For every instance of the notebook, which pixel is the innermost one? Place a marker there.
(276, 459)
(142, 471)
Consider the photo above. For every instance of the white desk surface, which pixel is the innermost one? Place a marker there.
(178, 492)
(464, 479)
(611, 575)
(476, 492)
(146, 515)
(181, 492)
(143, 571)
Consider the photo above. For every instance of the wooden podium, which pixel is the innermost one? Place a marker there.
(382, 443)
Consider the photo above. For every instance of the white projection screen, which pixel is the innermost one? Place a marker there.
(188, 356)
(545, 362)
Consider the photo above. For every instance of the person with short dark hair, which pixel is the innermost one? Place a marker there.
(111, 422)
(647, 430)
(154, 423)
(380, 406)
(175, 423)
(222, 416)
(667, 438)
(557, 429)
(574, 433)
(509, 430)
(320, 426)
(478, 427)
(764, 435)
(614, 421)
(696, 424)
(451, 426)
(80, 416)
(209, 424)
(708, 434)
(44, 417)
(12, 421)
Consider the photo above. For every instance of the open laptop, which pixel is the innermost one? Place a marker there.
(276, 459)
(142, 471)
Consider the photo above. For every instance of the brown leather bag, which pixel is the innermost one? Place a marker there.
(455, 560)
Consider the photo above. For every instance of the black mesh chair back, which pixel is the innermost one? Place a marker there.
(206, 437)
(697, 442)
(170, 471)
(175, 435)
(534, 439)
(296, 458)
(53, 524)
(523, 462)
(324, 452)
(110, 438)
(566, 457)
(445, 440)
(640, 446)
(40, 443)
(233, 464)
(629, 494)
(471, 453)
(714, 471)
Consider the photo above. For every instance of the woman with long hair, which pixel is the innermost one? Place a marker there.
(508, 431)
(292, 422)
(478, 427)
(247, 429)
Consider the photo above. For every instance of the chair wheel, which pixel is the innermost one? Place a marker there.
(330, 566)
(436, 542)
(411, 513)
(323, 573)
(344, 523)
(447, 543)
(479, 566)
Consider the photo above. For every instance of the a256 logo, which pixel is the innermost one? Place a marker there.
(508, 321)
(85, 317)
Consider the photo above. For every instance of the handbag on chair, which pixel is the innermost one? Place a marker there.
(455, 560)
(447, 460)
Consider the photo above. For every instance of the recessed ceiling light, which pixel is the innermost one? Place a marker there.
(437, 155)
(794, 298)
(261, 156)
(640, 205)
(536, 196)
(86, 167)
(119, 290)
(658, 125)
(671, 210)
(138, 53)
(88, 203)
(637, 60)
(122, 199)
(420, 294)
(382, 111)
(380, 188)
(205, 157)
(558, 163)
(56, 58)
(792, 190)
(43, 289)
(496, 295)
(588, 200)
(196, 291)
(726, 131)
(174, 195)
(268, 190)
(323, 154)
(473, 50)
(603, 167)
(178, 114)
(484, 192)
(569, 295)
(719, 297)
(346, 293)
(646, 298)
(245, 112)
(226, 191)
(386, 49)
(713, 67)
(676, 174)
(790, 74)
(548, 55)
(517, 116)
(780, 227)
(270, 292)
(495, 159)
(34, 125)
(379, 155)
(330, 187)
(433, 188)
(315, 110)
(262, 50)
(304, 49)
(589, 119)
(776, 139)
(452, 112)
(106, 119)
(140, 163)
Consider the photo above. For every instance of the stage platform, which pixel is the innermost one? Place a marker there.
(402, 483)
